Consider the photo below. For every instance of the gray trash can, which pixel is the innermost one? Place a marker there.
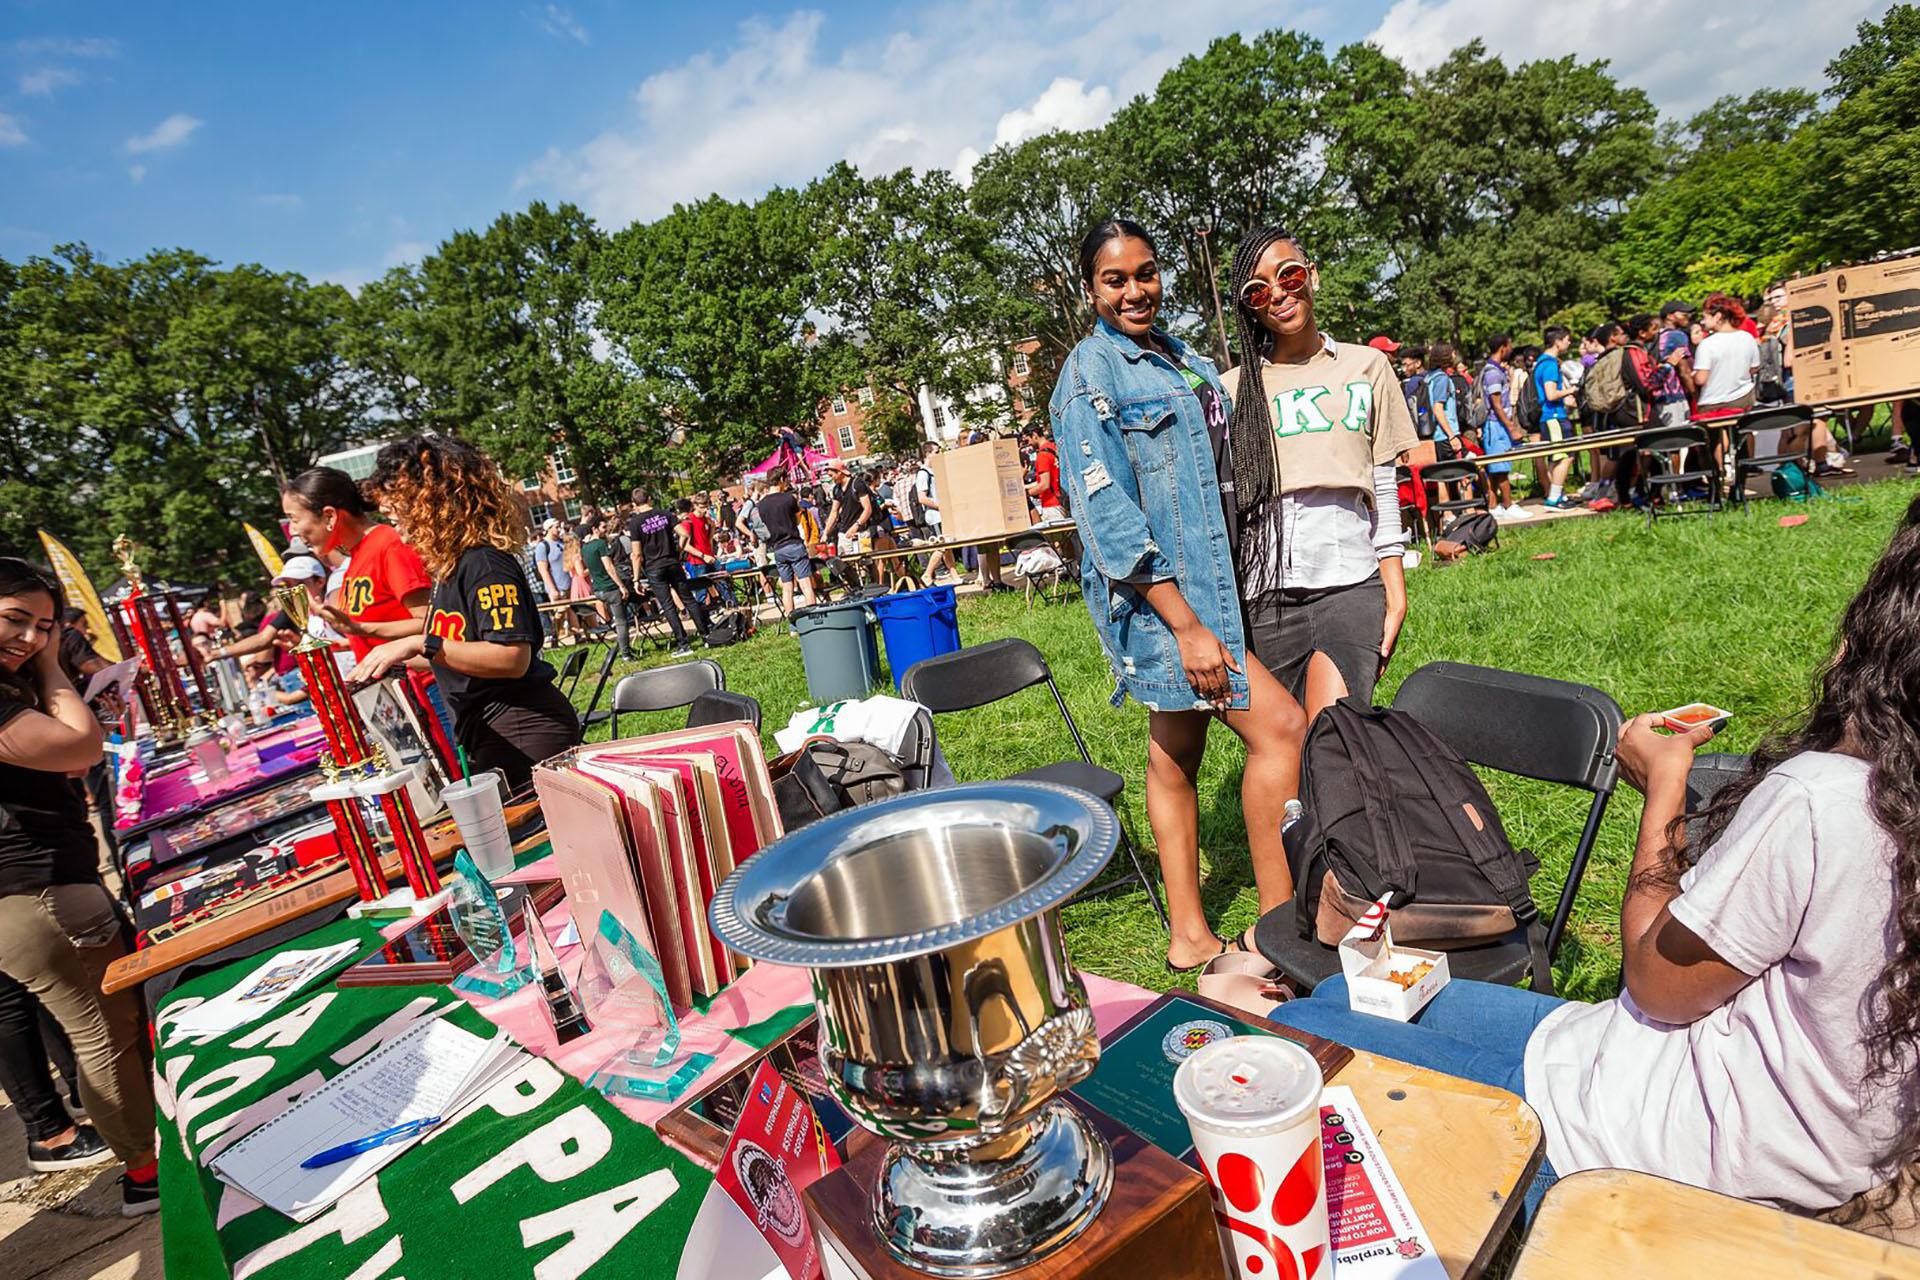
(838, 649)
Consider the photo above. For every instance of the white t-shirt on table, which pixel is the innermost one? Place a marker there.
(1729, 358)
(1762, 1098)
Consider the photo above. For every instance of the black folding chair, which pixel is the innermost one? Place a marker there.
(717, 706)
(661, 689)
(591, 717)
(985, 673)
(1711, 772)
(1467, 477)
(1664, 470)
(1552, 730)
(570, 670)
(1783, 418)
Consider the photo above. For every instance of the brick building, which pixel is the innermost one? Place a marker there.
(840, 431)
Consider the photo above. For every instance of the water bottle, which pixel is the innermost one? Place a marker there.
(1295, 812)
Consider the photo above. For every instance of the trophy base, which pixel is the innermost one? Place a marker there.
(398, 905)
(1156, 1220)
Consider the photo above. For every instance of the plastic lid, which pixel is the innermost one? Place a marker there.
(1249, 1084)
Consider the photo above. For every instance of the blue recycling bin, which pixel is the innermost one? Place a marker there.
(917, 624)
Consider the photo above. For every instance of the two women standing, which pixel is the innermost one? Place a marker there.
(1209, 521)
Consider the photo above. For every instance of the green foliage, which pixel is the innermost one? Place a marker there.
(1724, 220)
(1860, 188)
(1878, 48)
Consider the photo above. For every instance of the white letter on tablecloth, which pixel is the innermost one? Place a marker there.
(376, 1266)
(396, 1024)
(288, 1028)
(545, 1151)
(520, 1091)
(166, 1083)
(200, 1096)
(217, 1135)
(593, 1225)
(359, 1213)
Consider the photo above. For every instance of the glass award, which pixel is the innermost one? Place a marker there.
(562, 1006)
(482, 924)
(626, 997)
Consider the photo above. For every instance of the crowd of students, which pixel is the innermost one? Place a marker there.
(1683, 364)
(1240, 563)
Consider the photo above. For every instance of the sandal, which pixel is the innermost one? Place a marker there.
(1244, 981)
(1243, 943)
(1196, 968)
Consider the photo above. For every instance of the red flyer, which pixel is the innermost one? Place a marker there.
(1376, 1234)
(777, 1150)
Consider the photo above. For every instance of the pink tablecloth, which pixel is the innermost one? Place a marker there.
(759, 994)
(186, 787)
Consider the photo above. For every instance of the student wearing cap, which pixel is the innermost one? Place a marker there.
(279, 628)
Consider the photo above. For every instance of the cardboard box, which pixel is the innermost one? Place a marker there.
(1855, 333)
(982, 490)
(1368, 956)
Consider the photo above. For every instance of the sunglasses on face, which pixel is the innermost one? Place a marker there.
(1292, 277)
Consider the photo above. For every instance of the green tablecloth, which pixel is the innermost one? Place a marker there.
(554, 1183)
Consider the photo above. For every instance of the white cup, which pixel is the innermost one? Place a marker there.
(482, 819)
(1253, 1106)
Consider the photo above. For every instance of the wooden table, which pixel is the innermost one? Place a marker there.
(1610, 1224)
(1465, 1152)
(908, 550)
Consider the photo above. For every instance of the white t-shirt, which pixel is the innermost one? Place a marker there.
(923, 481)
(1729, 357)
(1762, 1098)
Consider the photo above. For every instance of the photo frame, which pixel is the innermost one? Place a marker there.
(394, 723)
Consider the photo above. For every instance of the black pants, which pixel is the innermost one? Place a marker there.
(514, 737)
(616, 602)
(27, 1037)
(670, 583)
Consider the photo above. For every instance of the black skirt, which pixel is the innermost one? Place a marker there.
(513, 736)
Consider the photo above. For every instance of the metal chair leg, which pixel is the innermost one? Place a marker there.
(1138, 873)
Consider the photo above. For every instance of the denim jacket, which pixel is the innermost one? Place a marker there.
(1139, 469)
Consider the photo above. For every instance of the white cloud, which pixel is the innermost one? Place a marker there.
(279, 200)
(11, 134)
(1701, 52)
(66, 47)
(560, 23)
(136, 172)
(166, 135)
(42, 81)
(778, 106)
(406, 251)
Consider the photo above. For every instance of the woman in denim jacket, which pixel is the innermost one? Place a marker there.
(1140, 421)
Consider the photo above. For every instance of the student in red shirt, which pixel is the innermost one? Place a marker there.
(385, 591)
(700, 554)
(1045, 489)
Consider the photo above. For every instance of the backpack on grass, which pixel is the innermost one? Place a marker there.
(1791, 481)
(1393, 810)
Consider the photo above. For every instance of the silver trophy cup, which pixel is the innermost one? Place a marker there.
(951, 1017)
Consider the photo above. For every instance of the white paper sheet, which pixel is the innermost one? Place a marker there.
(276, 981)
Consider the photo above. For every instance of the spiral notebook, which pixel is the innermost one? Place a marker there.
(433, 1069)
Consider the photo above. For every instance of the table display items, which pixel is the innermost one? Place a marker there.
(647, 827)
(501, 965)
(952, 1018)
(700, 1126)
(137, 625)
(481, 818)
(625, 994)
(432, 950)
(562, 1006)
(1252, 1104)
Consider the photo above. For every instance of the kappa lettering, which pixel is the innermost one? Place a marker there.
(1296, 410)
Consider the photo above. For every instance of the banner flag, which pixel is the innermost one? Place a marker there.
(264, 549)
(81, 595)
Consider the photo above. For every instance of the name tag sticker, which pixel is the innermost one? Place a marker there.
(1096, 477)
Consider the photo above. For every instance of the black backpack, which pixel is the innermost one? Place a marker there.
(730, 628)
(1391, 809)
(1526, 405)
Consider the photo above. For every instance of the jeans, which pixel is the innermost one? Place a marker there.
(1471, 1030)
(669, 583)
(616, 602)
(27, 1035)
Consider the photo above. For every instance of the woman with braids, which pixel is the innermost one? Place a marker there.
(482, 635)
(1766, 1041)
(1314, 448)
(1140, 421)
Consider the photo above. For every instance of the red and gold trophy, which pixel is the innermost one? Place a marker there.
(136, 624)
(357, 771)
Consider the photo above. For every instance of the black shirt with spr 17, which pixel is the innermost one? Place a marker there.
(487, 598)
(44, 836)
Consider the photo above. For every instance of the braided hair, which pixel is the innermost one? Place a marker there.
(1250, 428)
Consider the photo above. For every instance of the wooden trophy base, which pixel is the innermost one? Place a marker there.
(1157, 1221)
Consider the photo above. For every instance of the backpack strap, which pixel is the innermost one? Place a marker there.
(1502, 866)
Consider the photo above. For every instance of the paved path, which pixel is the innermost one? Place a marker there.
(67, 1226)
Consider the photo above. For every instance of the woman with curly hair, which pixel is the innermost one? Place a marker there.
(1766, 1041)
(482, 635)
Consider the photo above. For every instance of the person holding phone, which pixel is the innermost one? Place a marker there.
(481, 636)
(1140, 420)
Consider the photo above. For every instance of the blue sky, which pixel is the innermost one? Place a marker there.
(338, 139)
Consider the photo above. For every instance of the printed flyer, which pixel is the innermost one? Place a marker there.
(778, 1149)
(1375, 1233)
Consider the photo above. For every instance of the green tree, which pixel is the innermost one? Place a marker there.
(1859, 193)
(1877, 48)
(911, 280)
(707, 310)
(1765, 116)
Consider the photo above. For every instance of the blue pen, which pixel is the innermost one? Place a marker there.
(347, 1150)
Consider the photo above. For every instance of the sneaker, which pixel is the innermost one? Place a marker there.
(1518, 512)
(138, 1198)
(684, 651)
(85, 1151)
(1561, 503)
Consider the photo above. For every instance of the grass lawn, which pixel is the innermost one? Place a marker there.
(1730, 609)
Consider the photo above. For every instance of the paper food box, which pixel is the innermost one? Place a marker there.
(1385, 980)
(982, 490)
(1855, 332)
